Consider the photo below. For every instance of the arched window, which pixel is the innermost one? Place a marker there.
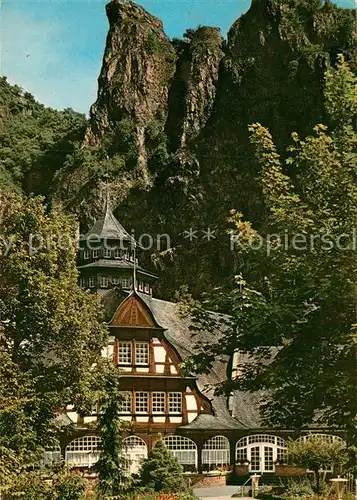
(135, 451)
(324, 437)
(184, 449)
(83, 451)
(260, 451)
(216, 452)
(52, 455)
(327, 438)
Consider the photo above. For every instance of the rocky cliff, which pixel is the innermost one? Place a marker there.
(169, 129)
(189, 103)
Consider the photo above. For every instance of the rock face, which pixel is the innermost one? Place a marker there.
(193, 91)
(138, 66)
(173, 116)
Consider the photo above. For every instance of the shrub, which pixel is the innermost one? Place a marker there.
(161, 471)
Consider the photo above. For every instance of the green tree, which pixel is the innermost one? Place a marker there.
(52, 331)
(293, 313)
(112, 465)
(161, 471)
(316, 454)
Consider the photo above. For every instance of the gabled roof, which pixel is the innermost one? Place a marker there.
(109, 228)
(134, 312)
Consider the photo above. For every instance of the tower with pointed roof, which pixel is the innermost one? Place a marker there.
(108, 258)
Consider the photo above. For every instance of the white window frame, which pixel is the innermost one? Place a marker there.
(175, 403)
(83, 283)
(95, 253)
(216, 452)
(107, 253)
(147, 288)
(258, 448)
(126, 403)
(135, 451)
(83, 451)
(52, 455)
(183, 448)
(126, 282)
(142, 356)
(115, 280)
(92, 282)
(118, 254)
(158, 402)
(104, 282)
(126, 354)
(142, 402)
(86, 254)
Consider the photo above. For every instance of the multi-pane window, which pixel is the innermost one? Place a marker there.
(115, 280)
(147, 288)
(126, 402)
(84, 451)
(124, 353)
(175, 402)
(107, 253)
(104, 282)
(158, 402)
(83, 282)
(142, 402)
(117, 253)
(95, 253)
(141, 353)
(92, 282)
(86, 254)
(126, 282)
(141, 286)
(261, 451)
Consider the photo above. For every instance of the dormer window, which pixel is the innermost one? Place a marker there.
(95, 253)
(115, 280)
(107, 253)
(86, 254)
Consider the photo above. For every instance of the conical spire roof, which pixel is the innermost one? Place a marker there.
(109, 228)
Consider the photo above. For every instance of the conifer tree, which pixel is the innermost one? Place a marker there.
(112, 465)
(161, 471)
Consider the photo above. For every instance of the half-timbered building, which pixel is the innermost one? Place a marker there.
(148, 341)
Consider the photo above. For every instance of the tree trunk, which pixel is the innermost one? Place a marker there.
(317, 479)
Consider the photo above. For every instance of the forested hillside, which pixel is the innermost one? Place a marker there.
(34, 140)
(169, 128)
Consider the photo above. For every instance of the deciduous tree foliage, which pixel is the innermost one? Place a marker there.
(316, 454)
(294, 312)
(52, 331)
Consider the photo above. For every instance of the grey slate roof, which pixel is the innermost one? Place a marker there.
(108, 228)
(115, 264)
(245, 414)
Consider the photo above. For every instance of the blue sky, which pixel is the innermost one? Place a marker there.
(54, 48)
